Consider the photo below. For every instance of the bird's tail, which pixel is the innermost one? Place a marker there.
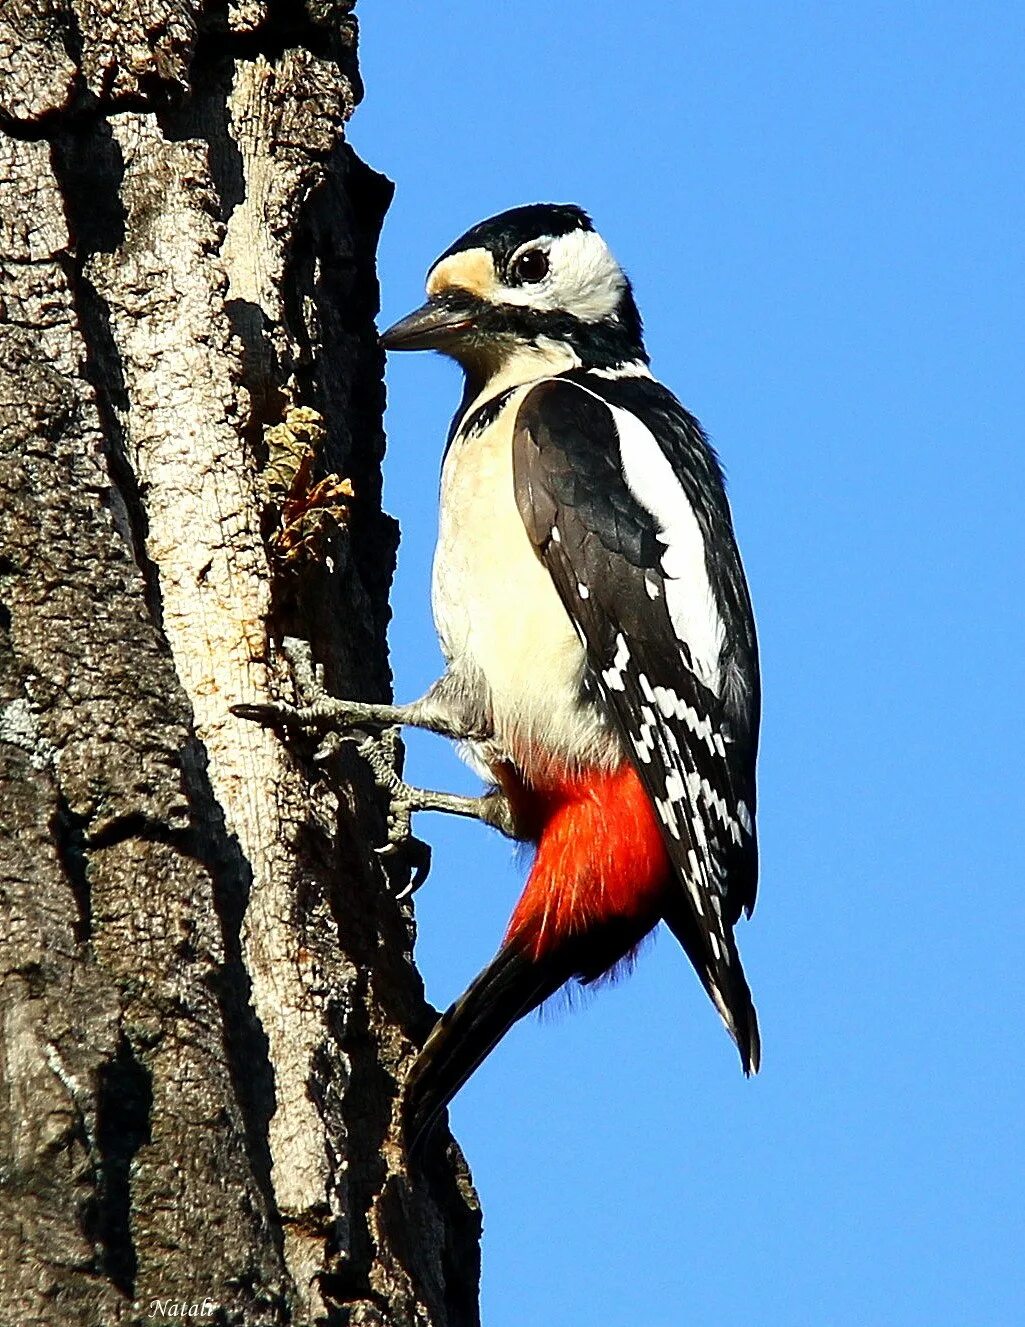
(726, 983)
(510, 987)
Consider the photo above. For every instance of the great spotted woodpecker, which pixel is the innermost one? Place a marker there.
(602, 667)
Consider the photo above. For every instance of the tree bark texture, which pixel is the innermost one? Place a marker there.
(208, 998)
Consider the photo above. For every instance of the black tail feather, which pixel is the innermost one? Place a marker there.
(508, 989)
(732, 996)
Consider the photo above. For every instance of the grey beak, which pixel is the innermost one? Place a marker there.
(431, 326)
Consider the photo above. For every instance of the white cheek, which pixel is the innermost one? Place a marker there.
(584, 279)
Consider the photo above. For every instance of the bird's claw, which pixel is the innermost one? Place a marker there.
(381, 754)
(329, 747)
(272, 714)
(418, 856)
(335, 718)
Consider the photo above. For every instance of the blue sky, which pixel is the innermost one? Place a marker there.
(821, 208)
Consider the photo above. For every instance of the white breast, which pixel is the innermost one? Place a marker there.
(499, 616)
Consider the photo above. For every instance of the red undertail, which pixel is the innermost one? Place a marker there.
(600, 859)
(595, 890)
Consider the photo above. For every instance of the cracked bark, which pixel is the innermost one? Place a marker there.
(208, 998)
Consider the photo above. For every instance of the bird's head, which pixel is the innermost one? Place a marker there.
(536, 283)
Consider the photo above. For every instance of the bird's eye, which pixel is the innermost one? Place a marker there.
(531, 266)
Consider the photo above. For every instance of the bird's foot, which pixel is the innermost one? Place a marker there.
(328, 715)
(382, 755)
(319, 712)
(492, 808)
(375, 729)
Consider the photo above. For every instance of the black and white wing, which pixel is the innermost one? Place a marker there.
(626, 508)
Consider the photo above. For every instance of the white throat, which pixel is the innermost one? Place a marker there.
(527, 362)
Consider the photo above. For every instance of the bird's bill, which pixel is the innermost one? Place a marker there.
(434, 326)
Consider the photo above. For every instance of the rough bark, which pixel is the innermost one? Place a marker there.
(208, 998)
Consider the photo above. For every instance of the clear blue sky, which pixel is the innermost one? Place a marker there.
(821, 207)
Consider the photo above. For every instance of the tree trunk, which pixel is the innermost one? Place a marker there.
(208, 999)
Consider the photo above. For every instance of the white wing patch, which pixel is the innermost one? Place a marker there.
(613, 677)
(689, 598)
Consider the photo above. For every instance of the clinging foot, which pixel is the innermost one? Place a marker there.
(492, 808)
(326, 714)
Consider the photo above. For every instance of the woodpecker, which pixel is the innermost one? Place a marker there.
(602, 665)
